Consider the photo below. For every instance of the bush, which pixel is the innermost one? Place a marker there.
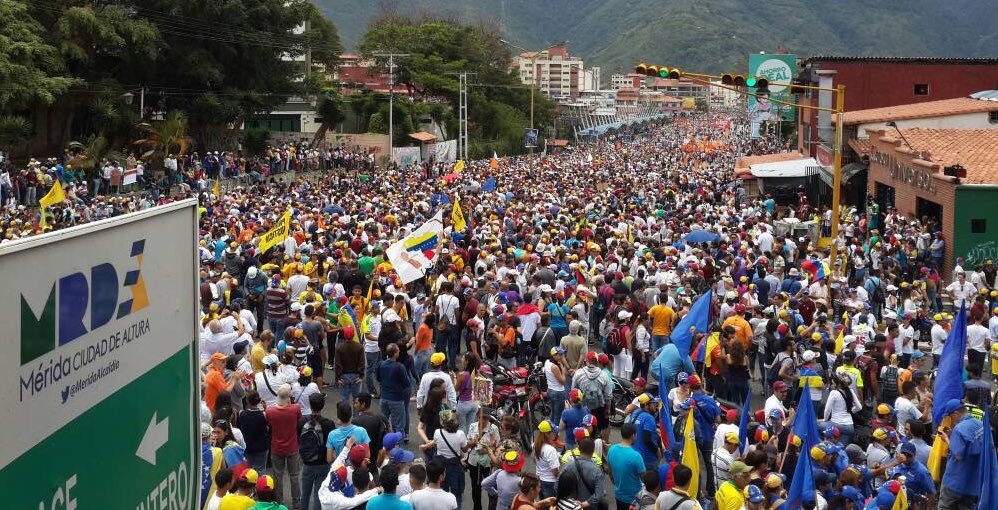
(255, 141)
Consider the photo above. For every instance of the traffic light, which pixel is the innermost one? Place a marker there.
(641, 68)
(757, 82)
(673, 74)
(658, 71)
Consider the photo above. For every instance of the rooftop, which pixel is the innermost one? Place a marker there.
(743, 163)
(972, 149)
(905, 60)
(942, 108)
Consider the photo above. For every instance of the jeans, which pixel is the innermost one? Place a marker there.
(557, 400)
(453, 348)
(350, 387)
(847, 432)
(311, 479)
(467, 413)
(277, 328)
(397, 413)
(454, 479)
(290, 464)
(548, 489)
(440, 340)
(258, 461)
(657, 341)
(422, 363)
(371, 360)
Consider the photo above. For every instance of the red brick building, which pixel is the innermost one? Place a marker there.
(876, 82)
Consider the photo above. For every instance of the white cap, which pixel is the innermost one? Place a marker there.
(623, 315)
(808, 356)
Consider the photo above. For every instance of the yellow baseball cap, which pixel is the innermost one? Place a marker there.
(546, 426)
(438, 358)
(880, 433)
(816, 336)
(731, 438)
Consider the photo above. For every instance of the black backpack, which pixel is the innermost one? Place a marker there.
(615, 342)
(310, 444)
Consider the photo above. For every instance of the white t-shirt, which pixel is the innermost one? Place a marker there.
(773, 402)
(213, 502)
(906, 410)
(447, 306)
(374, 330)
(456, 440)
(546, 465)
(977, 338)
(722, 430)
(905, 342)
(938, 339)
(429, 498)
(300, 397)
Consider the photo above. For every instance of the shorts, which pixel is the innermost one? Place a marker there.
(315, 362)
(602, 423)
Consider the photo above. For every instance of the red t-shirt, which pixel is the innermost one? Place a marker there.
(283, 428)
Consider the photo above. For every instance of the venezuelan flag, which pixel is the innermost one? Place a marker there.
(425, 243)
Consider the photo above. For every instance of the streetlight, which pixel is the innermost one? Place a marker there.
(129, 97)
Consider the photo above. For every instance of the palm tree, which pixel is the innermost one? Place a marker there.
(91, 152)
(168, 136)
(13, 131)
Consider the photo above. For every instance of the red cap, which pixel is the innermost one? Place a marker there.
(694, 381)
(783, 328)
(732, 415)
(604, 359)
(640, 381)
(592, 356)
(359, 453)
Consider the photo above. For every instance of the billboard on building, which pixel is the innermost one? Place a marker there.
(779, 70)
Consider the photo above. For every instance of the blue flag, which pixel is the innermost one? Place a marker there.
(665, 415)
(949, 377)
(698, 319)
(805, 426)
(489, 185)
(743, 423)
(989, 471)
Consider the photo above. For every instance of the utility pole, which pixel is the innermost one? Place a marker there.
(462, 113)
(391, 95)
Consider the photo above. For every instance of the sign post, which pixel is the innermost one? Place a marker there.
(99, 390)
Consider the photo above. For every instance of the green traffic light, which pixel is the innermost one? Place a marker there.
(663, 73)
(750, 81)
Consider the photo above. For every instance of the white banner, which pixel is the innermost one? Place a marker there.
(446, 151)
(405, 156)
(418, 251)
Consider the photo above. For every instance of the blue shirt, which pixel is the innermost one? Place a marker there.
(388, 502)
(627, 467)
(394, 381)
(962, 474)
(645, 424)
(919, 480)
(338, 437)
(670, 362)
(706, 415)
(558, 315)
(572, 419)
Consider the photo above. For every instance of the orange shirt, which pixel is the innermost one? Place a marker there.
(424, 338)
(508, 338)
(214, 383)
(661, 319)
(743, 331)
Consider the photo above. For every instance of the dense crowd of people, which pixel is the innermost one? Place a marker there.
(584, 261)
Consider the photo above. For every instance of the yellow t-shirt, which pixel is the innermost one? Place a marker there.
(236, 502)
(256, 357)
(994, 359)
(661, 319)
(728, 497)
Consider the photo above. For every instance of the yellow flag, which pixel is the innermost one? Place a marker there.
(939, 451)
(494, 162)
(277, 234)
(54, 196)
(457, 217)
(459, 166)
(901, 501)
(217, 188)
(839, 341)
(691, 457)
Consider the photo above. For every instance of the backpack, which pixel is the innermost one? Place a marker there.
(878, 290)
(774, 371)
(592, 392)
(889, 385)
(310, 444)
(615, 342)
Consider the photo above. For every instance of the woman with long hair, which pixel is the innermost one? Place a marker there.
(429, 417)
(546, 457)
(222, 437)
(568, 488)
(467, 406)
(842, 402)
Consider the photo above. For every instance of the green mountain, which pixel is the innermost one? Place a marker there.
(710, 35)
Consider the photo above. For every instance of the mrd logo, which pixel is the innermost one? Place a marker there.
(63, 316)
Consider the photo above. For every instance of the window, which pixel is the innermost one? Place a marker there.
(921, 89)
(978, 226)
(993, 117)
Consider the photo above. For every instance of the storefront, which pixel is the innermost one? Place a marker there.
(946, 177)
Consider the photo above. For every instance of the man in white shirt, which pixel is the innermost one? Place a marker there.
(977, 343)
(448, 308)
(906, 339)
(905, 407)
(775, 401)
(340, 482)
(432, 497)
(961, 290)
(437, 360)
(939, 334)
(723, 457)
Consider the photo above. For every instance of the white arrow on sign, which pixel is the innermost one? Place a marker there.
(155, 437)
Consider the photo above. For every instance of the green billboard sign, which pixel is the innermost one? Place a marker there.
(99, 400)
(780, 70)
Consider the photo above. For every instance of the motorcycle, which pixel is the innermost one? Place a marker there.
(538, 405)
(510, 397)
(623, 395)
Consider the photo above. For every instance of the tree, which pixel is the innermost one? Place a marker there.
(168, 136)
(13, 130)
(31, 70)
(330, 109)
(497, 114)
(256, 140)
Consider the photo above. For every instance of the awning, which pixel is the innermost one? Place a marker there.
(777, 169)
(848, 172)
(423, 136)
